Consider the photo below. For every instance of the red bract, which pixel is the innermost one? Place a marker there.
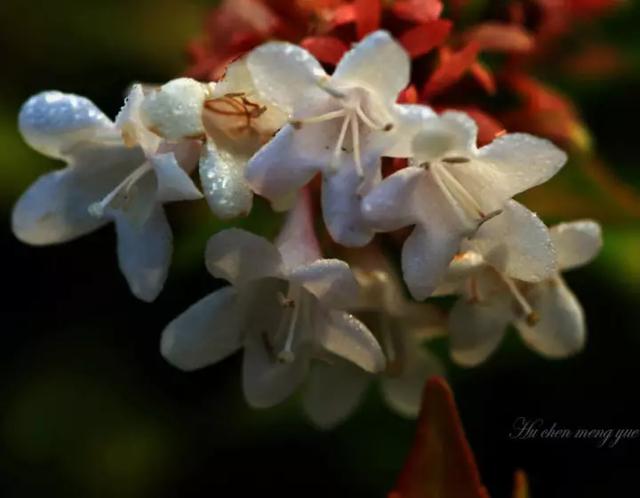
(440, 462)
(327, 49)
(452, 67)
(418, 11)
(423, 38)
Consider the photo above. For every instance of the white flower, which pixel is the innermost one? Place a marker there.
(336, 387)
(451, 188)
(115, 172)
(230, 119)
(284, 308)
(547, 315)
(339, 125)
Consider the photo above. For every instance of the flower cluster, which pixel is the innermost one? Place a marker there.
(272, 124)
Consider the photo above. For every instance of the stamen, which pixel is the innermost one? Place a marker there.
(456, 160)
(337, 151)
(531, 316)
(97, 209)
(291, 304)
(464, 205)
(355, 137)
(369, 122)
(297, 123)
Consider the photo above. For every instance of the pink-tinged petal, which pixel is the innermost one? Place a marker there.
(286, 163)
(266, 381)
(173, 183)
(333, 392)
(560, 330)
(207, 332)
(394, 203)
(53, 123)
(523, 160)
(144, 253)
(297, 240)
(240, 257)
(341, 207)
(343, 335)
(329, 280)
(285, 75)
(361, 66)
(476, 329)
(517, 243)
(577, 243)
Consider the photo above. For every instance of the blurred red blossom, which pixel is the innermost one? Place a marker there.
(447, 42)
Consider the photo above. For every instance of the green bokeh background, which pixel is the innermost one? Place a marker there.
(88, 408)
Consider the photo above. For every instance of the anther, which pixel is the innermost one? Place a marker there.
(532, 319)
(456, 160)
(388, 127)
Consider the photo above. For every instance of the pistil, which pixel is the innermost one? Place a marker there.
(97, 209)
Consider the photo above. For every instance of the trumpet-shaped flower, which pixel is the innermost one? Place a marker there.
(451, 188)
(339, 125)
(118, 172)
(546, 313)
(336, 387)
(284, 308)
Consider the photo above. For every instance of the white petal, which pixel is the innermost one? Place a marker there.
(393, 203)
(54, 122)
(409, 119)
(378, 63)
(285, 163)
(129, 122)
(576, 243)
(174, 111)
(341, 208)
(222, 174)
(267, 382)
(239, 257)
(426, 255)
(144, 253)
(329, 280)
(523, 160)
(343, 335)
(174, 184)
(204, 334)
(55, 208)
(53, 211)
(560, 331)
(476, 329)
(451, 133)
(333, 392)
(422, 320)
(403, 393)
(517, 243)
(297, 240)
(286, 75)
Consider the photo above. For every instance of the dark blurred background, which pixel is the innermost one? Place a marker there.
(88, 408)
